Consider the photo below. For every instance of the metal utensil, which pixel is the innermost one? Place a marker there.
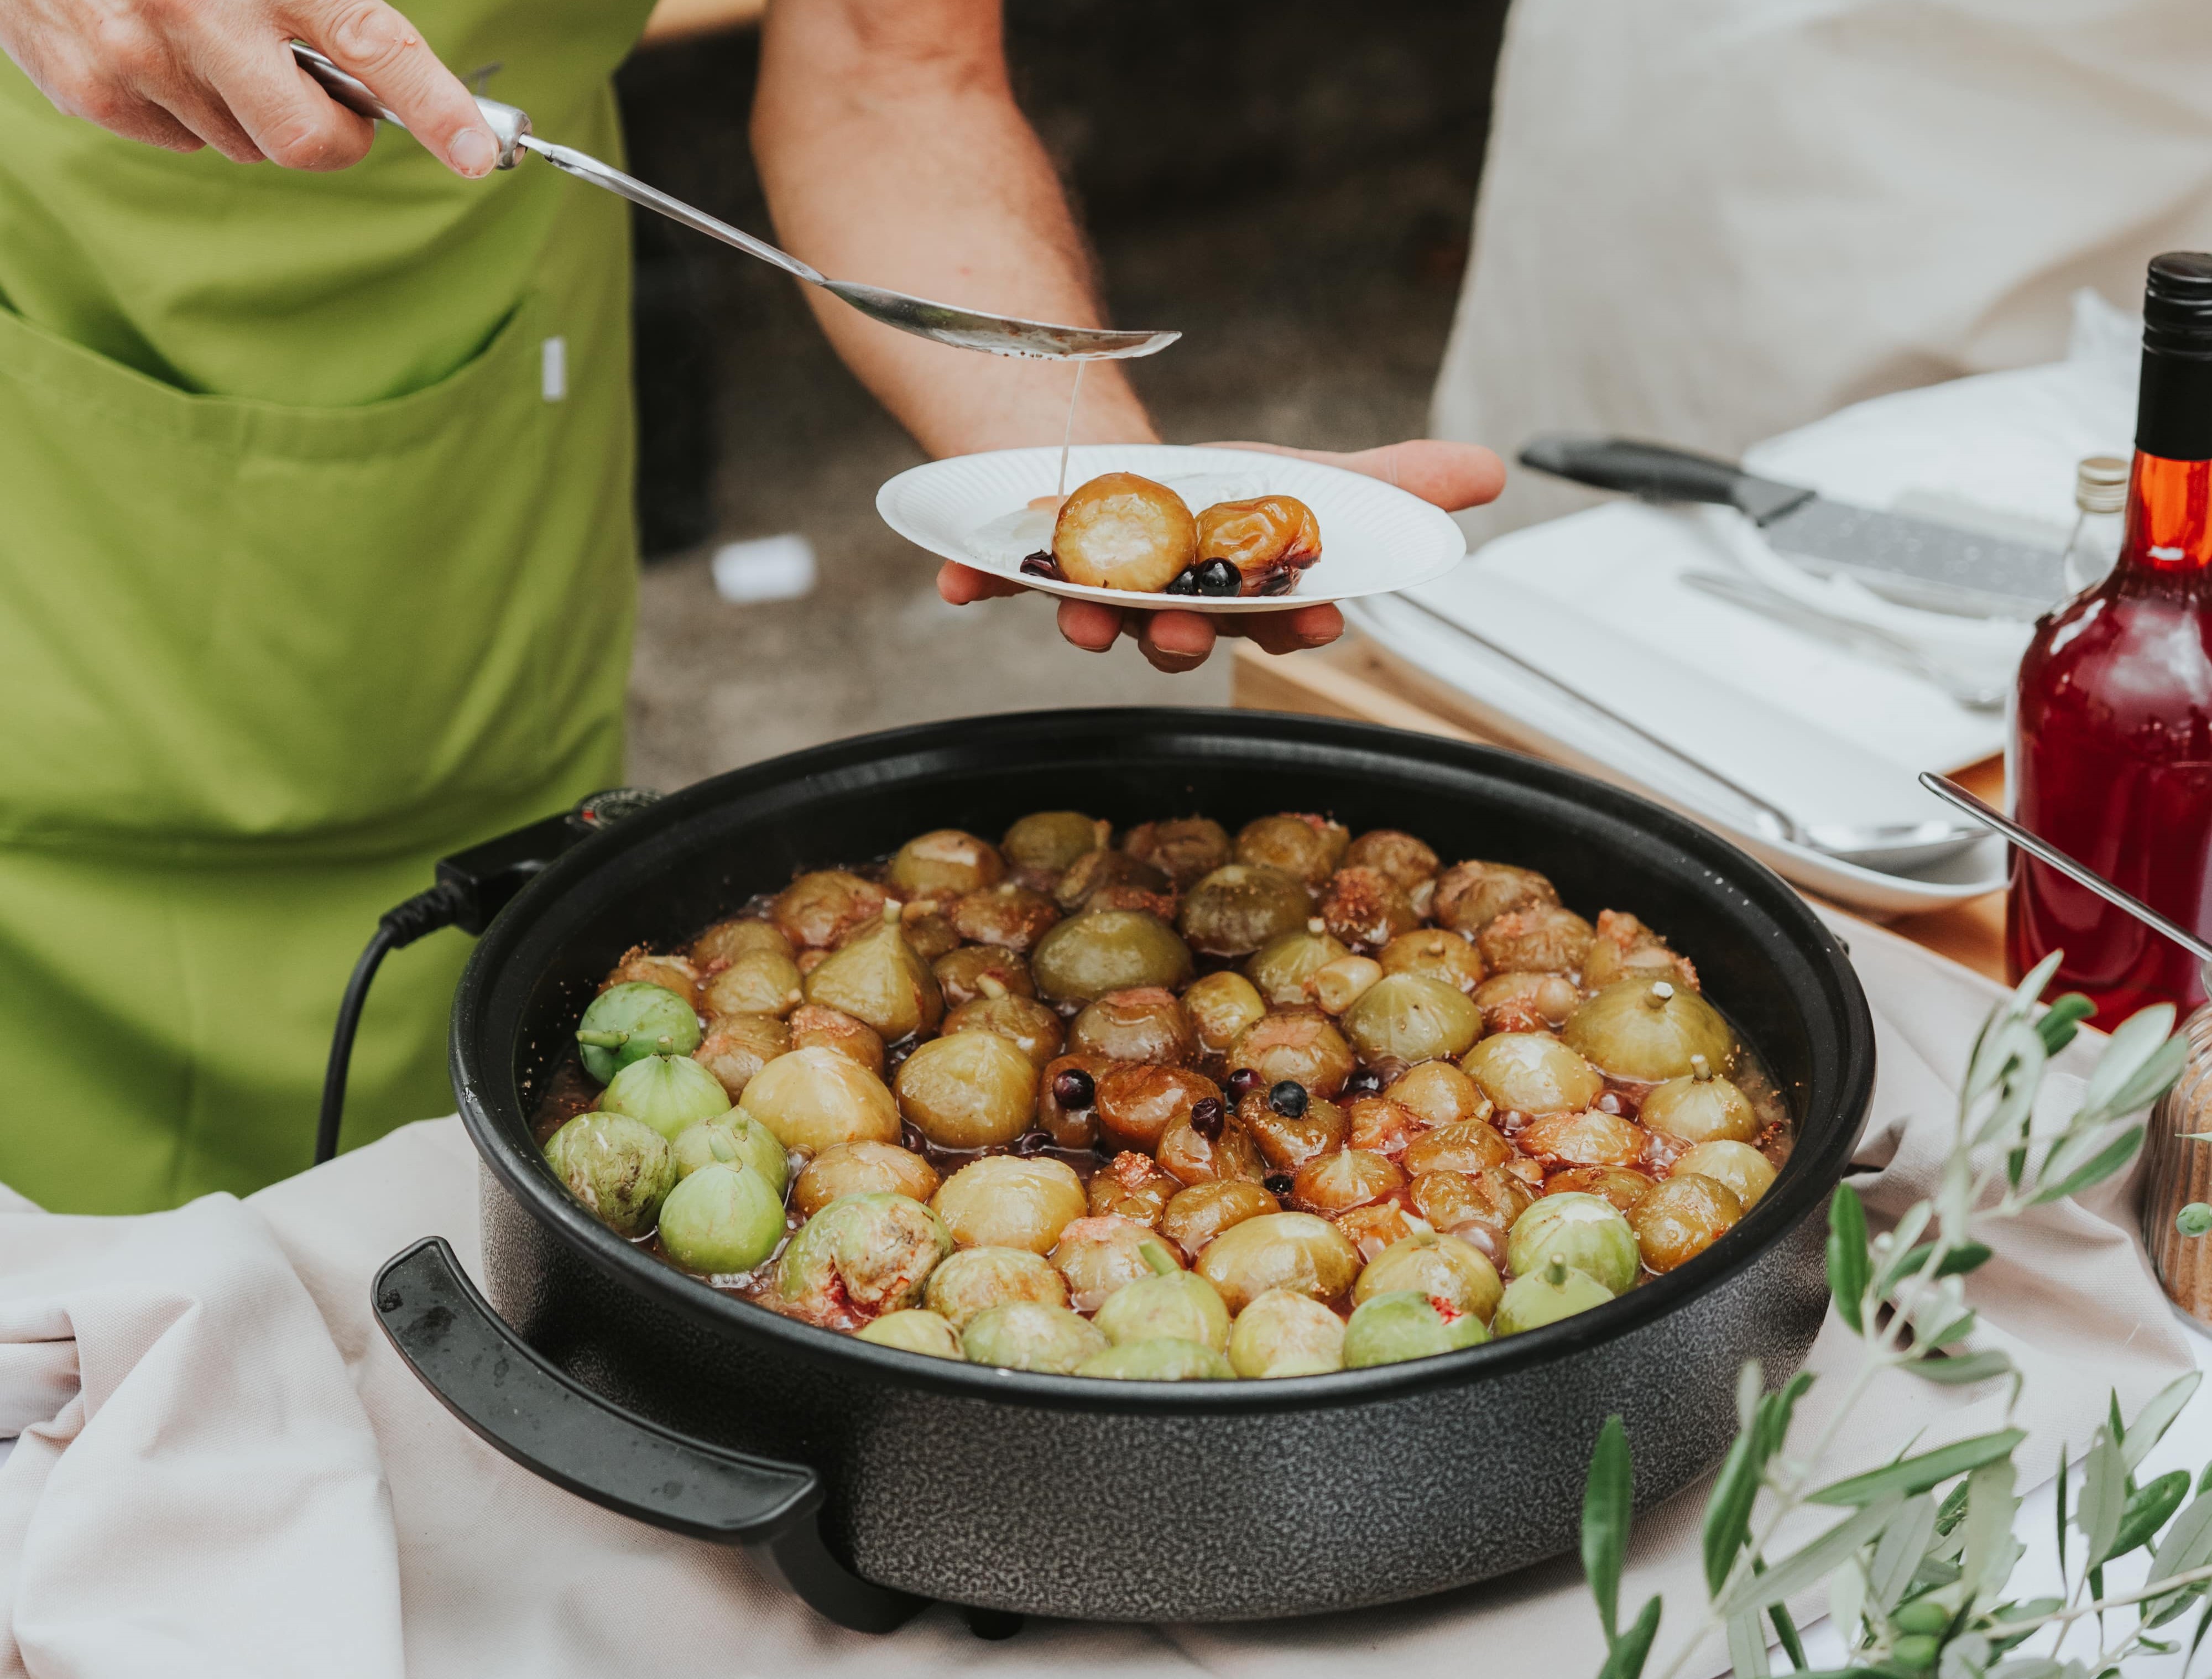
(1916, 562)
(1892, 847)
(1848, 633)
(965, 329)
(2044, 852)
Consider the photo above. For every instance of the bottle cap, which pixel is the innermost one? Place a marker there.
(2177, 303)
(2173, 412)
(2100, 484)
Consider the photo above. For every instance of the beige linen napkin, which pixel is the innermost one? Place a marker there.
(500, 1573)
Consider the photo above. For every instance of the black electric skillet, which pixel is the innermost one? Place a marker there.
(876, 1480)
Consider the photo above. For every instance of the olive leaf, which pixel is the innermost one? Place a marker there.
(1608, 1497)
(2062, 1019)
(2133, 1070)
(1747, 1646)
(1898, 1245)
(1633, 1647)
(1805, 1567)
(1847, 1603)
(1965, 1657)
(2148, 1510)
(2157, 1416)
(1785, 1632)
(1728, 1511)
(2062, 1522)
(1957, 1261)
(1897, 1557)
(2104, 1499)
(2187, 1545)
(2017, 1059)
(1991, 1549)
(1847, 1263)
(1922, 1474)
(1959, 1371)
(2029, 1667)
(2114, 1155)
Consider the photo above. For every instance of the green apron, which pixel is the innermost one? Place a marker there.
(316, 561)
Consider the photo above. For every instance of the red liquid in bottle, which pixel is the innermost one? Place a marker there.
(2111, 756)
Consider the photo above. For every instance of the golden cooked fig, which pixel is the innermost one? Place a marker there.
(1238, 907)
(1405, 1018)
(1283, 1334)
(834, 1029)
(1292, 1129)
(974, 1280)
(1123, 531)
(1281, 967)
(861, 1169)
(817, 910)
(1591, 1139)
(1088, 956)
(639, 966)
(1526, 1002)
(1480, 1207)
(816, 1098)
(1198, 1150)
(1099, 873)
(762, 981)
(1374, 1228)
(1441, 1094)
(1365, 907)
(1737, 1165)
(1304, 1047)
(1647, 1030)
(859, 1257)
(1024, 1022)
(1703, 1107)
(1679, 1219)
(1043, 844)
(876, 978)
(1196, 1215)
(1381, 1126)
(1306, 1255)
(725, 941)
(1306, 848)
(1144, 1025)
(945, 863)
(1139, 1102)
(1405, 859)
(736, 1046)
(1098, 1256)
(1527, 1073)
(973, 970)
(1221, 1005)
(1265, 535)
(1542, 939)
(1004, 1201)
(927, 935)
(972, 1090)
(1336, 986)
(1470, 895)
(1625, 948)
(1067, 1099)
(1620, 1185)
(1132, 1186)
(1185, 849)
(1468, 1145)
(1443, 1267)
(1437, 953)
(1006, 915)
(1336, 1183)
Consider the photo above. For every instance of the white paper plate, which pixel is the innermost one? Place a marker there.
(1375, 538)
(1817, 774)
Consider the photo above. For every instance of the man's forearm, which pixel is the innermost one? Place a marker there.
(892, 152)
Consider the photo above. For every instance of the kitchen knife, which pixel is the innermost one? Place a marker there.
(1915, 561)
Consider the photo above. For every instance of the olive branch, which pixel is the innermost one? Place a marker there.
(1916, 1571)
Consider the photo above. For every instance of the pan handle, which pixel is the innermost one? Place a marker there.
(550, 1424)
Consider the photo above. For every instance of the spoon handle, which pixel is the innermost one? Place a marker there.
(2044, 851)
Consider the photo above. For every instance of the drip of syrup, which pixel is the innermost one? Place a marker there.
(1069, 436)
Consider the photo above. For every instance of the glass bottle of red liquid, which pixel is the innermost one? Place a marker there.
(2110, 753)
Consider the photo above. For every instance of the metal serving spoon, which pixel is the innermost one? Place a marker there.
(965, 329)
(2043, 851)
(1890, 846)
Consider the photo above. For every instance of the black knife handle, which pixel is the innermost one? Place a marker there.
(501, 1387)
(1660, 474)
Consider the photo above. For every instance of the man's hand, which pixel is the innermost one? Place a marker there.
(183, 73)
(1452, 476)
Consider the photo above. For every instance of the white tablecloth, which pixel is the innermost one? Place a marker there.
(225, 1469)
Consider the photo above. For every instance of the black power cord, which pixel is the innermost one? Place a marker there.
(473, 885)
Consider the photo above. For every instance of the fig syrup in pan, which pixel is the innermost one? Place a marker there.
(2111, 754)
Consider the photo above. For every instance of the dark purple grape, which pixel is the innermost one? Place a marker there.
(1365, 1081)
(1278, 583)
(1040, 564)
(1219, 577)
(1184, 581)
(1243, 1082)
(1277, 1183)
(1071, 1088)
(910, 1138)
(1287, 1096)
(1205, 1118)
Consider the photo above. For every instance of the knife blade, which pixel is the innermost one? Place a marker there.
(1915, 561)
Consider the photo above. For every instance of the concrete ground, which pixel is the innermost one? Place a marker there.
(1313, 270)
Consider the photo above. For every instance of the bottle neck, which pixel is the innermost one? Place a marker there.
(2169, 519)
